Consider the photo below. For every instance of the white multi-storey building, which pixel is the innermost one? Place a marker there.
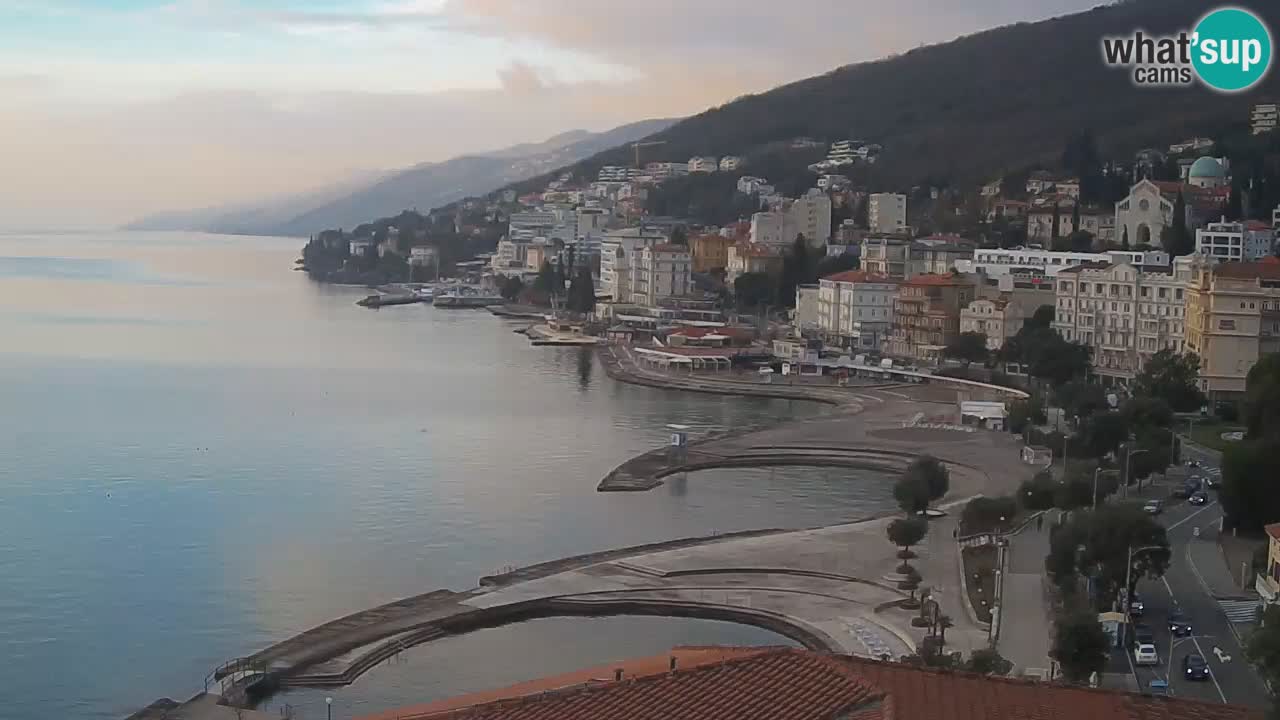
(997, 319)
(704, 164)
(1265, 117)
(750, 185)
(1235, 242)
(617, 251)
(997, 263)
(661, 271)
(617, 173)
(855, 309)
(729, 163)
(811, 216)
(1124, 313)
(770, 228)
(887, 213)
(661, 171)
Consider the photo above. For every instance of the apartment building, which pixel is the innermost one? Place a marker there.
(1233, 318)
(1235, 242)
(1265, 117)
(617, 251)
(771, 228)
(661, 271)
(751, 258)
(704, 164)
(999, 319)
(885, 255)
(1126, 314)
(729, 163)
(998, 263)
(710, 251)
(926, 316)
(855, 309)
(937, 254)
(887, 213)
(810, 216)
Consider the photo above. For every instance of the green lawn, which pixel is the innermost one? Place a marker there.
(1210, 434)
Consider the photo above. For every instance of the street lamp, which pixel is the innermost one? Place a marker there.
(328, 706)
(1173, 643)
(1096, 471)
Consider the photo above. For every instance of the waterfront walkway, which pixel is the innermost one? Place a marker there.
(1025, 622)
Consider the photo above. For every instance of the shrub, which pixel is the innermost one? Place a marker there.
(988, 514)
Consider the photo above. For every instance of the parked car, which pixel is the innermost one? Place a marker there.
(1142, 634)
(1198, 497)
(1193, 463)
(1146, 655)
(1153, 507)
(1136, 609)
(1179, 625)
(1194, 667)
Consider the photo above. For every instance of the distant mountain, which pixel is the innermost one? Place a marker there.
(968, 110)
(422, 186)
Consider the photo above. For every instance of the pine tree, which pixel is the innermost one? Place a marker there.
(1057, 222)
(1124, 239)
(1075, 218)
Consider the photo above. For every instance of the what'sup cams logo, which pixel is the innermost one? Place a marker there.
(1229, 50)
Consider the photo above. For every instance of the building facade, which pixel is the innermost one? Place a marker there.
(855, 309)
(1233, 318)
(885, 255)
(704, 164)
(998, 319)
(616, 254)
(937, 254)
(887, 213)
(811, 216)
(710, 252)
(1125, 314)
(752, 258)
(1235, 242)
(999, 263)
(660, 271)
(1265, 117)
(926, 316)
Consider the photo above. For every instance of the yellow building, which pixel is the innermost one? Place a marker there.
(710, 252)
(1233, 318)
(1268, 583)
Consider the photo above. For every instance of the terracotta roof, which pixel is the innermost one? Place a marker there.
(1248, 271)
(859, 276)
(1257, 225)
(1273, 530)
(793, 684)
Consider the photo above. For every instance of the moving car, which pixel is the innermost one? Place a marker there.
(1153, 507)
(1146, 655)
(1179, 625)
(1198, 497)
(1142, 635)
(1214, 482)
(1194, 667)
(1136, 609)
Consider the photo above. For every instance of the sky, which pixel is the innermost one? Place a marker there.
(112, 109)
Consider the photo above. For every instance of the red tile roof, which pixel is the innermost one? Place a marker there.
(1248, 271)
(859, 276)
(793, 684)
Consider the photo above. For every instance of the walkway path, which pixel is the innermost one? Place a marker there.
(1025, 622)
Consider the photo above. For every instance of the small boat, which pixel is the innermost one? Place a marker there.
(377, 301)
(461, 297)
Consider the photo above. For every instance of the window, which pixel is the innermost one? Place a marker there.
(1226, 324)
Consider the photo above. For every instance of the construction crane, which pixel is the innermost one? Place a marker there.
(637, 145)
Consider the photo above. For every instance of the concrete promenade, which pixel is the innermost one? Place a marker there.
(829, 588)
(1025, 621)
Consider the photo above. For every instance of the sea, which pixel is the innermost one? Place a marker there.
(203, 452)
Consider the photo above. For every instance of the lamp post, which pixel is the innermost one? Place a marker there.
(1173, 643)
(328, 706)
(1128, 583)
(1096, 471)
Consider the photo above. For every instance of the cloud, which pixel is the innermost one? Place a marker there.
(520, 78)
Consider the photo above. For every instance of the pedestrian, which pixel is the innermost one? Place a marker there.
(955, 533)
(1039, 523)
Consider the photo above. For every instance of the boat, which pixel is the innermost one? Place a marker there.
(462, 297)
(377, 301)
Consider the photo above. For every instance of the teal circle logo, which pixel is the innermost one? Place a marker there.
(1231, 49)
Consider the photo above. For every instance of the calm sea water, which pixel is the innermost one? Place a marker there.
(202, 452)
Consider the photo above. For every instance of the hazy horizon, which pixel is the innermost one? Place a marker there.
(122, 108)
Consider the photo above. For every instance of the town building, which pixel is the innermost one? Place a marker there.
(810, 216)
(998, 319)
(806, 312)
(752, 258)
(770, 228)
(774, 683)
(509, 258)
(360, 247)
(993, 188)
(1008, 209)
(729, 163)
(1275, 221)
(616, 255)
(535, 255)
(1235, 242)
(661, 271)
(937, 254)
(926, 316)
(1197, 143)
(617, 173)
(1207, 172)
(1146, 212)
(1124, 313)
(997, 263)
(1233, 318)
(751, 185)
(423, 255)
(1267, 582)
(855, 309)
(710, 252)
(887, 213)
(663, 171)
(885, 255)
(1265, 117)
(703, 164)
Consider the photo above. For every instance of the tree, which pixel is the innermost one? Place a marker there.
(987, 661)
(798, 268)
(1041, 318)
(1024, 412)
(1263, 648)
(1124, 239)
(1102, 432)
(829, 266)
(1172, 378)
(1143, 412)
(932, 474)
(1080, 645)
(984, 514)
(512, 286)
(969, 347)
(1038, 492)
(546, 280)
(1262, 398)
(1080, 241)
(1075, 221)
(1176, 239)
(1079, 398)
(679, 236)
(912, 493)
(906, 532)
(861, 216)
(753, 290)
(1097, 543)
(1235, 204)
(1057, 222)
(582, 292)
(1250, 493)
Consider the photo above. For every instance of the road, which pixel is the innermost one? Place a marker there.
(1183, 586)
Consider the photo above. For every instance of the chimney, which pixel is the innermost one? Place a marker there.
(617, 675)
(673, 663)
